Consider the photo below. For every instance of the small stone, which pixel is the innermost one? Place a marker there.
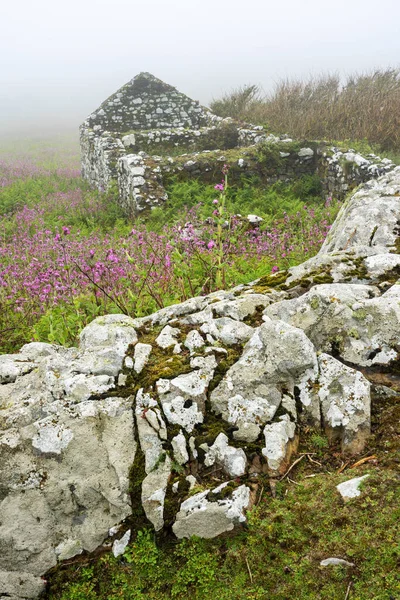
(179, 447)
(68, 549)
(167, 337)
(192, 446)
(246, 432)
(194, 341)
(198, 516)
(129, 360)
(350, 489)
(254, 219)
(233, 460)
(328, 562)
(142, 354)
(192, 481)
(154, 487)
(277, 438)
(305, 153)
(120, 545)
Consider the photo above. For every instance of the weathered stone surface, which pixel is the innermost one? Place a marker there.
(142, 355)
(167, 337)
(347, 320)
(179, 448)
(148, 427)
(120, 545)
(64, 456)
(233, 460)
(278, 437)
(205, 517)
(277, 359)
(20, 585)
(351, 230)
(183, 398)
(345, 403)
(350, 489)
(227, 331)
(154, 487)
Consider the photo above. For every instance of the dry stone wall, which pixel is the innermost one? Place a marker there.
(148, 131)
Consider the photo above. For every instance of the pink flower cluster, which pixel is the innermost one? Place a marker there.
(43, 266)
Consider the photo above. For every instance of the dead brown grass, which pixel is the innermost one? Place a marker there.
(364, 107)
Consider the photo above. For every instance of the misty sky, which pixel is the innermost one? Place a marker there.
(60, 60)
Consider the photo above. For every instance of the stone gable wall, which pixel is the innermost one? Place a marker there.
(148, 131)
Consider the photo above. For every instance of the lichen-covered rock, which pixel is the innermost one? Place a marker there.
(233, 460)
(206, 517)
(278, 439)
(351, 230)
(154, 488)
(345, 398)
(20, 585)
(65, 449)
(278, 360)
(352, 321)
(182, 411)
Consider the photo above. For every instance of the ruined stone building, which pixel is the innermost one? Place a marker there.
(148, 131)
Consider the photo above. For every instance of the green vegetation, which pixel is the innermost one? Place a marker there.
(70, 255)
(248, 197)
(277, 556)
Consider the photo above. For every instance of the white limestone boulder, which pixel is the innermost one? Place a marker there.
(277, 359)
(206, 517)
(345, 397)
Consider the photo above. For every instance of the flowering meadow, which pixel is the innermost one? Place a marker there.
(67, 254)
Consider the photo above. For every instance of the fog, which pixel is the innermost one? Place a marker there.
(59, 61)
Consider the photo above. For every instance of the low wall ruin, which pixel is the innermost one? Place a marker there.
(148, 131)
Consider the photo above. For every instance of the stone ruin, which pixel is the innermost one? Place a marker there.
(148, 132)
(177, 420)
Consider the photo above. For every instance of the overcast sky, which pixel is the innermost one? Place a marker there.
(60, 60)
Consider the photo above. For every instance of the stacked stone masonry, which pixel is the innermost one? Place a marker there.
(148, 131)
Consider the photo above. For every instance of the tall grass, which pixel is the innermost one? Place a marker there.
(363, 107)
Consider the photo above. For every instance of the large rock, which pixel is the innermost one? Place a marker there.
(345, 398)
(16, 585)
(380, 200)
(278, 360)
(169, 408)
(65, 449)
(346, 320)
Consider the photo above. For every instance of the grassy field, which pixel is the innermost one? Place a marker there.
(68, 254)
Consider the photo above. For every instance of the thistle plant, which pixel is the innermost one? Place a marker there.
(220, 267)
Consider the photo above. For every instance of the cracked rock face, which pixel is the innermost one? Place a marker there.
(201, 398)
(65, 453)
(277, 359)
